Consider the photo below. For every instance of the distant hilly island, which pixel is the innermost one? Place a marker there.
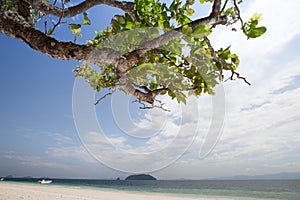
(277, 176)
(140, 177)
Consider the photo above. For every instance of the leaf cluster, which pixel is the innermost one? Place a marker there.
(98, 80)
(182, 67)
(251, 27)
(8, 4)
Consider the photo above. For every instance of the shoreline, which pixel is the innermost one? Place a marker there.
(24, 191)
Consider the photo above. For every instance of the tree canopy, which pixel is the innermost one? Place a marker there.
(153, 48)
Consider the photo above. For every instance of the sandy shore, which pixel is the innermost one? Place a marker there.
(16, 191)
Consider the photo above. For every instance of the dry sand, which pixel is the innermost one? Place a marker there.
(19, 191)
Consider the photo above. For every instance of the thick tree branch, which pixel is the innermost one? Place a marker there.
(48, 9)
(216, 9)
(23, 9)
(128, 88)
(15, 26)
(213, 19)
(169, 36)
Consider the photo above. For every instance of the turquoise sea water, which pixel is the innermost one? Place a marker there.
(237, 189)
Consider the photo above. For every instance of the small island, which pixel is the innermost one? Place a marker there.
(140, 177)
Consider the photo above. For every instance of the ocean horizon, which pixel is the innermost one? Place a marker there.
(236, 189)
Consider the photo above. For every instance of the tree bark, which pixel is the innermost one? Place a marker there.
(15, 26)
(50, 9)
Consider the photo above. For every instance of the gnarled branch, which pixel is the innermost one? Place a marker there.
(48, 9)
(213, 19)
(11, 21)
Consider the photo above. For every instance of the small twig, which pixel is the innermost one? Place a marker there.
(103, 97)
(144, 106)
(223, 63)
(224, 6)
(216, 57)
(59, 20)
(240, 18)
(39, 18)
(45, 25)
(238, 76)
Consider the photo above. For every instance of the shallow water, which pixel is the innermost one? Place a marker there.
(237, 189)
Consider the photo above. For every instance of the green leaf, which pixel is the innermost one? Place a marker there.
(190, 12)
(186, 29)
(163, 93)
(120, 19)
(203, 1)
(171, 94)
(256, 32)
(115, 25)
(180, 97)
(75, 28)
(86, 20)
(49, 31)
(200, 31)
(251, 28)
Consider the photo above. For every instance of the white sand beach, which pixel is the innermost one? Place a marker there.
(19, 191)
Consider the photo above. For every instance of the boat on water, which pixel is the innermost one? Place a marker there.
(44, 181)
(2, 179)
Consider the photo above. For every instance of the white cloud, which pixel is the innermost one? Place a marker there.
(35, 161)
(78, 153)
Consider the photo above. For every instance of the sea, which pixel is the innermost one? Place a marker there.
(234, 189)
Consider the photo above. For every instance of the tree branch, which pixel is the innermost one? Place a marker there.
(128, 88)
(216, 9)
(23, 9)
(107, 94)
(223, 63)
(48, 9)
(59, 20)
(240, 18)
(213, 19)
(224, 6)
(216, 57)
(15, 26)
(144, 106)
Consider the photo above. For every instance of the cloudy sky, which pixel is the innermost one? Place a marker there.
(49, 126)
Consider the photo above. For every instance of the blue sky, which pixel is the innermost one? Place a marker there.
(260, 132)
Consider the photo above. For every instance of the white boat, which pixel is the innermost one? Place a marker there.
(2, 179)
(44, 181)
